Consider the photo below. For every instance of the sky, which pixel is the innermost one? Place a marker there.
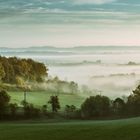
(69, 23)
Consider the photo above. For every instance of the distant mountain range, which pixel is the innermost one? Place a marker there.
(79, 48)
(49, 50)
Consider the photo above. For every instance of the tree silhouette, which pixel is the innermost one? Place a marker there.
(119, 106)
(4, 100)
(96, 106)
(54, 101)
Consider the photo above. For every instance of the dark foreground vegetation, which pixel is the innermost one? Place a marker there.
(94, 107)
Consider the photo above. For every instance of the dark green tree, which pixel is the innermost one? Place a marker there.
(44, 109)
(70, 111)
(54, 101)
(30, 111)
(4, 101)
(119, 107)
(13, 109)
(2, 72)
(95, 107)
(133, 103)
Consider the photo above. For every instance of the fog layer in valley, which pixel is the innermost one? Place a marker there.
(108, 71)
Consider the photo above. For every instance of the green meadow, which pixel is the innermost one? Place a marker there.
(61, 129)
(41, 98)
(127, 129)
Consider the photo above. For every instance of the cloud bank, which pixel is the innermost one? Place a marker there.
(97, 2)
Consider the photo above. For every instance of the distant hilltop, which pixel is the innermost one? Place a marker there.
(78, 48)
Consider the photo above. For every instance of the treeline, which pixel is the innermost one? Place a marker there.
(13, 70)
(60, 86)
(13, 111)
(94, 107)
(99, 106)
(20, 74)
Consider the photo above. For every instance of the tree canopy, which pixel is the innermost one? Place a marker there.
(4, 100)
(96, 106)
(14, 68)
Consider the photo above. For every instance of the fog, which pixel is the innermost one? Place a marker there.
(108, 72)
(109, 79)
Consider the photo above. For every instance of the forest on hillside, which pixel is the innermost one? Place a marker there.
(13, 69)
(27, 74)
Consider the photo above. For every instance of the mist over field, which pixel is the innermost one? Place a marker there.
(112, 71)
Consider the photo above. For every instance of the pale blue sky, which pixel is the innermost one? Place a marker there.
(68, 23)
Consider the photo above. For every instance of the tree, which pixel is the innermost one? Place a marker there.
(4, 100)
(29, 110)
(26, 69)
(2, 72)
(70, 108)
(133, 103)
(137, 91)
(13, 109)
(96, 106)
(20, 82)
(44, 109)
(119, 106)
(9, 71)
(70, 111)
(54, 101)
(73, 87)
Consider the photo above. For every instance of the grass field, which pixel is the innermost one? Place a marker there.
(128, 129)
(125, 129)
(41, 98)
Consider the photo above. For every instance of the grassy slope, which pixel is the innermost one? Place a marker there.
(128, 129)
(41, 98)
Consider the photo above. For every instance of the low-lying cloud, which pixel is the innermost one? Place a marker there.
(98, 2)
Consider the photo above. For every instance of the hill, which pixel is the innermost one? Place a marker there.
(68, 49)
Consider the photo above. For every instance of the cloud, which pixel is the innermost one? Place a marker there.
(127, 4)
(98, 2)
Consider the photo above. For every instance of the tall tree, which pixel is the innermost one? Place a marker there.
(119, 106)
(4, 100)
(2, 72)
(133, 103)
(54, 101)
